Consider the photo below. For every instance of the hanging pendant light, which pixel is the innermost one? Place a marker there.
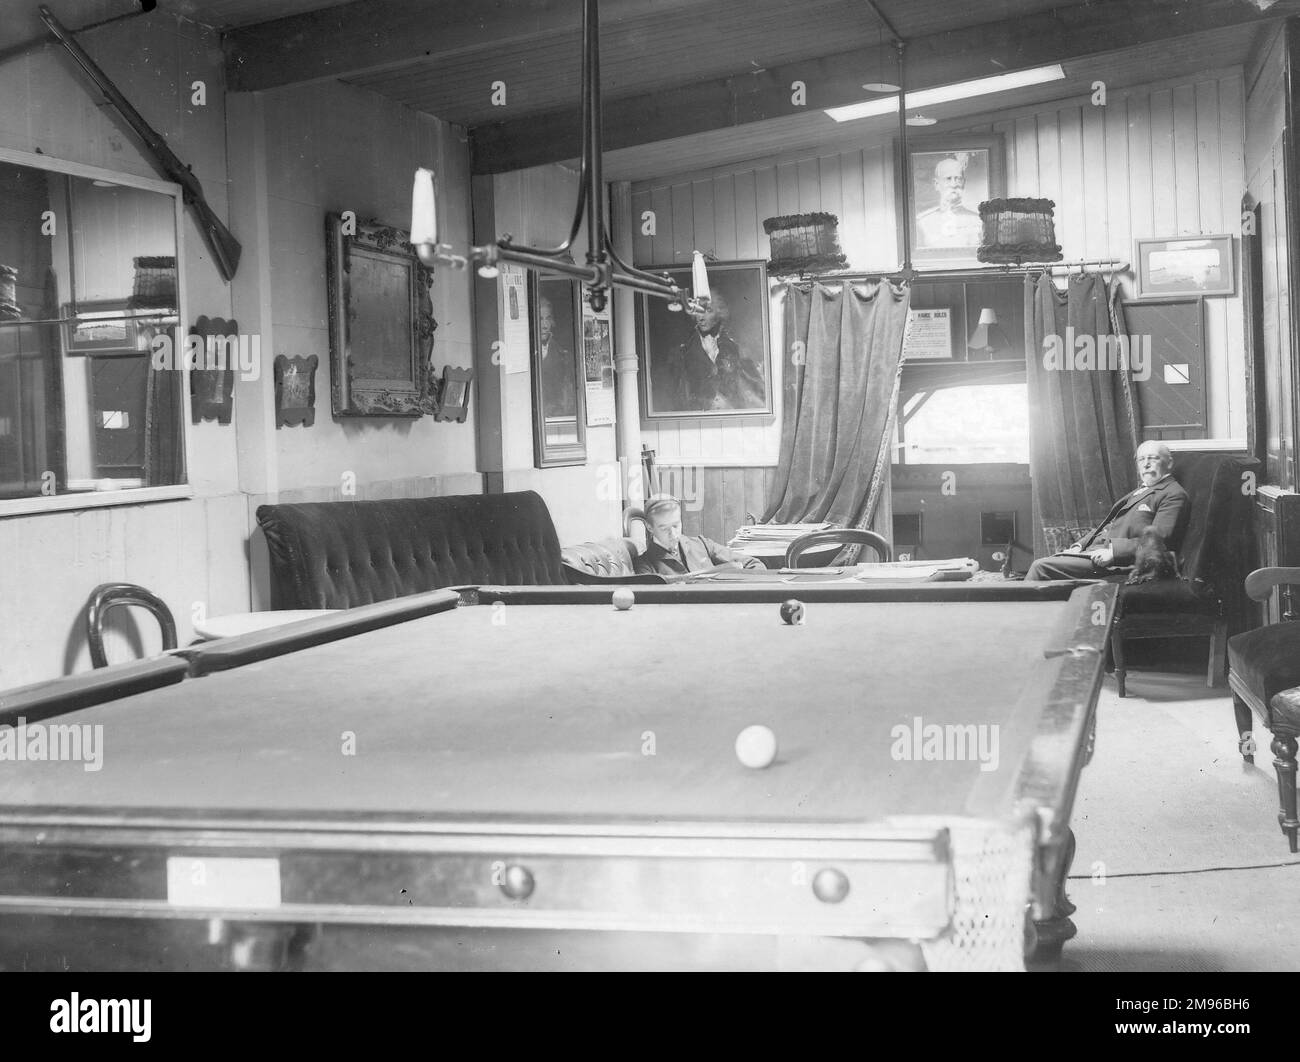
(882, 85)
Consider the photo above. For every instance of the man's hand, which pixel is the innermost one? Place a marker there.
(1103, 558)
(1076, 548)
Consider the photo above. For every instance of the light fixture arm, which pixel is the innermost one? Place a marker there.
(604, 268)
(904, 168)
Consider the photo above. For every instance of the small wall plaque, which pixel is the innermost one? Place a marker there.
(295, 391)
(454, 402)
(212, 389)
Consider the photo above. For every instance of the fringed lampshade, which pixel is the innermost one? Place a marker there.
(1018, 231)
(804, 243)
(155, 282)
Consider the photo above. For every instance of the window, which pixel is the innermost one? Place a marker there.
(88, 279)
(964, 424)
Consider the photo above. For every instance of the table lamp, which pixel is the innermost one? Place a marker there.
(987, 338)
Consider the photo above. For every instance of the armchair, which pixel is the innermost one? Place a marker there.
(1264, 675)
(1200, 603)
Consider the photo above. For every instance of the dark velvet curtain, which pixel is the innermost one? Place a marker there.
(843, 352)
(164, 461)
(1084, 422)
(164, 456)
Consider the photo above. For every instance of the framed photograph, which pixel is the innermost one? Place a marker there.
(381, 322)
(99, 328)
(717, 364)
(948, 178)
(1185, 265)
(559, 417)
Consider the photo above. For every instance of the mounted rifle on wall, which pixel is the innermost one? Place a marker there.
(225, 248)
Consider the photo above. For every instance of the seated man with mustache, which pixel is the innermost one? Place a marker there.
(1109, 551)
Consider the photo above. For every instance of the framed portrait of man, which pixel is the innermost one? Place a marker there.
(559, 420)
(716, 363)
(949, 177)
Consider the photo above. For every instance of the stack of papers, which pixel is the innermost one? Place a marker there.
(919, 570)
(769, 533)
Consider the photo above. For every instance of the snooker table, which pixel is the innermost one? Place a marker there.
(526, 778)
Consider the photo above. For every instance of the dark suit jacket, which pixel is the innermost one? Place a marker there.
(695, 554)
(732, 382)
(558, 399)
(1163, 506)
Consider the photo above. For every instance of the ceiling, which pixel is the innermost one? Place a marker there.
(689, 84)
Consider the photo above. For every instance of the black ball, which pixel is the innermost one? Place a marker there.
(792, 612)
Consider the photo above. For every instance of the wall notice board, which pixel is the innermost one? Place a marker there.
(1173, 398)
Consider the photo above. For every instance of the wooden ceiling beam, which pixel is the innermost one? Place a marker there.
(367, 36)
(1064, 35)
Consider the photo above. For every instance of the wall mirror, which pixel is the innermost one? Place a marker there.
(90, 394)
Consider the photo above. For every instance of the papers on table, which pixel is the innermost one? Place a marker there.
(787, 532)
(771, 538)
(959, 567)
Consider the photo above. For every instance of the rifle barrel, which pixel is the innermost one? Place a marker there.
(225, 248)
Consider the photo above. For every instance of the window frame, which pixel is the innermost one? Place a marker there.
(126, 495)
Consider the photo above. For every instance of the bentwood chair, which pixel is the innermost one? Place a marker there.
(1264, 674)
(840, 535)
(115, 595)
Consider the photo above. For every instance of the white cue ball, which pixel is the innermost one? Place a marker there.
(756, 747)
(624, 599)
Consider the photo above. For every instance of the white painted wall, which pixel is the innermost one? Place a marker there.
(1161, 160)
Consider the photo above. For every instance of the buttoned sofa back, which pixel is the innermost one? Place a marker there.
(343, 554)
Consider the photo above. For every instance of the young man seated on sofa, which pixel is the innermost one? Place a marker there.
(668, 552)
(1109, 551)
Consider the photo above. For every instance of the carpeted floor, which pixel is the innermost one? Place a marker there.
(1180, 864)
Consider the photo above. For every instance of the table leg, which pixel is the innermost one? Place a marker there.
(1245, 724)
(1284, 765)
(1051, 916)
(260, 946)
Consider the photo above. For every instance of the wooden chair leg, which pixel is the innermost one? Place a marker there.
(1245, 739)
(1216, 671)
(1284, 749)
(1117, 654)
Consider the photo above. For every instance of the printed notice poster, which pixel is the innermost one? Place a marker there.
(598, 364)
(928, 335)
(514, 319)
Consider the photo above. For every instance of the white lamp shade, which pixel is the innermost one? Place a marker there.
(424, 213)
(700, 277)
(987, 316)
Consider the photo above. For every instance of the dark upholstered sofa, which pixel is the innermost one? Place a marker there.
(607, 561)
(343, 554)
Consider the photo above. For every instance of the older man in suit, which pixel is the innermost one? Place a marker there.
(1108, 552)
